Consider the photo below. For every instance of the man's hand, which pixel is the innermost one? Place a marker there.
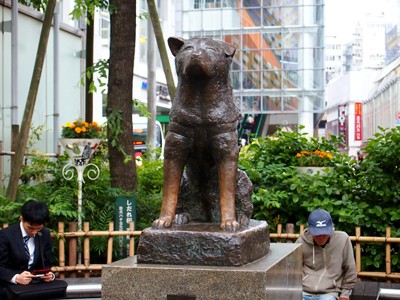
(24, 278)
(48, 277)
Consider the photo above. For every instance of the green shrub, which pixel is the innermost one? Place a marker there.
(365, 195)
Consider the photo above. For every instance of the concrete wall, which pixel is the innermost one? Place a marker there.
(70, 70)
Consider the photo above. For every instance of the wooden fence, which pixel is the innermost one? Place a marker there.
(85, 268)
(357, 240)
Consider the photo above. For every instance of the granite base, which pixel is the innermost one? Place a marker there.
(204, 244)
(278, 275)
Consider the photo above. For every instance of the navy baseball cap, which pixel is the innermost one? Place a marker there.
(320, 223)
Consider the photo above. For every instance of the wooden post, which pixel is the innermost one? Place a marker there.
(279, 230)
(290, 230)
(61, 248)
(388, 247)
(131, 240)
(358, 250)
(110, 243)
(86, 248)
(72, 247)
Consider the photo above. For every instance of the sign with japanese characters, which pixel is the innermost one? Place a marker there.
(342, 120)
(125, 212)
(358, 121)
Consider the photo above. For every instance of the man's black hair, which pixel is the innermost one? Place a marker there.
(35, 212)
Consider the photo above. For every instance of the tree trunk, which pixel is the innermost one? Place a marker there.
(119, 102)
(161, 47)
(30, 102)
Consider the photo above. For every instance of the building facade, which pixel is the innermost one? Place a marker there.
(59, 96)
(278, 69)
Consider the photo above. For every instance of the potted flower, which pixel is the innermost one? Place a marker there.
(312, 162)
(80, 139)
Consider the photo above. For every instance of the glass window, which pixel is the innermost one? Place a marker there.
(291, 103)
(272, 16)
(251, 60)
(291, 39)
(272, 103)
(251, 41)
(229, 3)
(235, 80)
(272, 40)
(196, 4)
(290, 15)
(212, 3)
(272, 79)
(233, 39)
(271, 59)
(312, 102)
(251, 103)
(251, 80)
(291, 79)
(285, 58)
(251, 17)
(252, 3)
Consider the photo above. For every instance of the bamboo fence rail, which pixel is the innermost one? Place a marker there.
(70, 239)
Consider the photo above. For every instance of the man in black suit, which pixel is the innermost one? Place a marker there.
(19, 259)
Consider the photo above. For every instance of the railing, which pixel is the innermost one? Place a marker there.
(70, 239)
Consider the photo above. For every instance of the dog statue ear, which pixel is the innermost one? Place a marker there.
(175, 44)
(229, 50)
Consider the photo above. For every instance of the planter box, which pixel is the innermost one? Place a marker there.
(80, 150)
(313, 170)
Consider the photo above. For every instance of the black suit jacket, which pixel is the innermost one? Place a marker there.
(12, 256)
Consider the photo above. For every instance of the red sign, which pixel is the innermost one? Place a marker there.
(358, 121)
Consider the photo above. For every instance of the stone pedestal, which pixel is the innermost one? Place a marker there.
(204, 244)
(278, 275)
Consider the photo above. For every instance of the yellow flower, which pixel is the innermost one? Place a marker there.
(316, 158)
(80, 129)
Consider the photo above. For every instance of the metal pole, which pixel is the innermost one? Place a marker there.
(14, 63)
(56, 59)
(80, 179)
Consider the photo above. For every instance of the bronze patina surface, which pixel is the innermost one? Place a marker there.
(202, 140)
(204, 244)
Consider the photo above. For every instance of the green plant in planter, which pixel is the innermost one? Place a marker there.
(280, 194)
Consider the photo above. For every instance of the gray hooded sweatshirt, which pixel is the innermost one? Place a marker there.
(329, 269)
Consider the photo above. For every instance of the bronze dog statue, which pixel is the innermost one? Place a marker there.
(202, 134)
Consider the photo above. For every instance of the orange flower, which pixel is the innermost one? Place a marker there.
(80, 129)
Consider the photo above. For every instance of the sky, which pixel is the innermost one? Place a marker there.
(341, 16)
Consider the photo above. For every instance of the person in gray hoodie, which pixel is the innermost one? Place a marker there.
(329, 269)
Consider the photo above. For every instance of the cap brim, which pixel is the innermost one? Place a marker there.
(321, 230)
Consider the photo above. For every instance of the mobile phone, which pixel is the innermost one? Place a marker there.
(41, 272)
